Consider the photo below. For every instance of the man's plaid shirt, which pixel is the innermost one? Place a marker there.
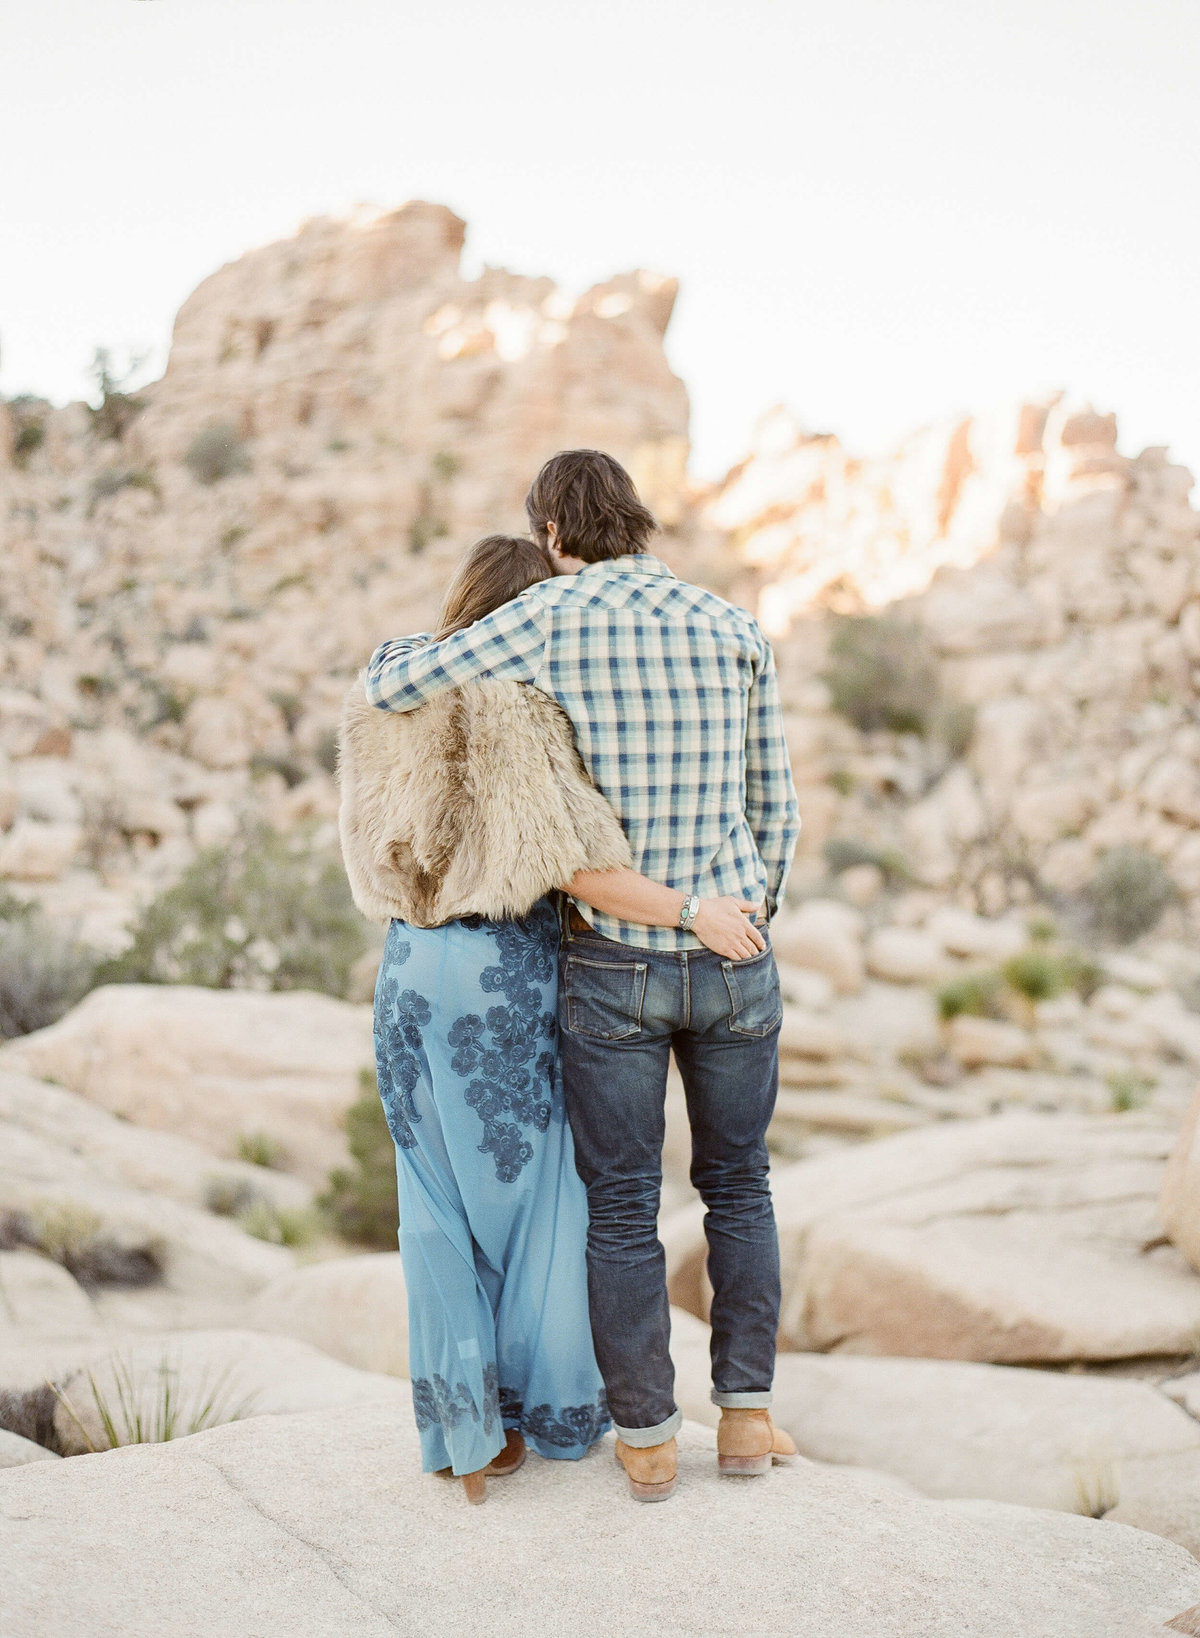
(673, 697)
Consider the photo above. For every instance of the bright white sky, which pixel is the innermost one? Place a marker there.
(881, 211)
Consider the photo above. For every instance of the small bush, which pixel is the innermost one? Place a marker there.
(981, 994)
(113, 479)
(264, 912)
(1128, 1090)
(844, 853)
(1128, 893)
(215, 453)
(842, 781)
(1037, 974)
(882, 673)
(278, 1225)
(954, 725)
(227, 1196)
(30, 435)
(75, 1237)
(260, 1149)
(422, 530)
(445, 466)
(112, 416)
(325, 750)
(43, 973)
(361, 1201)
(122, 1406)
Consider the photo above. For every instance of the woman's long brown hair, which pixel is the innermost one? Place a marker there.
(495, 570)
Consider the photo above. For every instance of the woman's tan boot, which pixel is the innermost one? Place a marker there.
(748, 1442)
(650, 1469)
(510, 1458)
(475, 1486)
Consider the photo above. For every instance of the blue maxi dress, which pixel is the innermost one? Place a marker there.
(493, 1215)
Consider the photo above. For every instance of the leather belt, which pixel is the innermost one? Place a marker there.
(576, 922)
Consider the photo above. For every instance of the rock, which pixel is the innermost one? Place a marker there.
(204, 1259)
(862, 884)
(209, 1065)
(275, 1502)
(17, 1452)
(34, 851)
(903, 956)
(354, 1308)
(1010, 1239)
(962, 934)
(976, 1041)
(890, 1021)
(1179, 1200)
(38, 1299)
(203, 1379)
(803, 1036)
(826, 936)
(75, 1137)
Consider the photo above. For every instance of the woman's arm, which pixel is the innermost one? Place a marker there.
(722, 924)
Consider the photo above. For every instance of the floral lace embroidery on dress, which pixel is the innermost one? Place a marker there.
(501, 1050)
(436, 1403)
(573, 1425)
(400, 1015)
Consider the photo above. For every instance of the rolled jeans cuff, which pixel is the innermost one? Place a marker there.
(742, 1401)
(640, 1438)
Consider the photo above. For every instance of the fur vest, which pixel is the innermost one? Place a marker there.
(476, 803)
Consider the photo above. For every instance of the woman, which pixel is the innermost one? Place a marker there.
(457, 821)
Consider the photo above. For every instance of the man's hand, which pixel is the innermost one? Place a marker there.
(723, 925)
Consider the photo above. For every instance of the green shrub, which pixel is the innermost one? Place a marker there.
(260, 1149)
(445, 466)
(278, 1225)
(422, 530)
(75, 1237)
(112, 479)
(325, 750)
(122, 1405)
(227, 1196)
(1037, 974)
(954, 725)
(264, 912)
(882, 674)
(981, 994)
(361, 1201)
(43, 973)
(216, 452)
(112, 416)
(845, 852)
(1128, 893)
(1128, 1090)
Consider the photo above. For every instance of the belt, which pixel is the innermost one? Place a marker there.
(576, 922)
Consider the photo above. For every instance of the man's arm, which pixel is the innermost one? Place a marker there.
(771, 806)
(507, 644)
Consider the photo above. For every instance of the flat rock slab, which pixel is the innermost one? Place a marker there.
(1011, 1239)
(210, 1065)
(319, 1526)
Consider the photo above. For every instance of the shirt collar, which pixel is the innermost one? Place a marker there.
(632, 563)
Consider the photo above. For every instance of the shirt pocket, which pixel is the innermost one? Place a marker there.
(755, 1001)
(604, 998)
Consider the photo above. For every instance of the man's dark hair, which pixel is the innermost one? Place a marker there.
(591, 501)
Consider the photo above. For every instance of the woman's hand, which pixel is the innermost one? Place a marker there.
(724, 926)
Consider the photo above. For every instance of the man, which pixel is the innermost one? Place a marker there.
(673, 697)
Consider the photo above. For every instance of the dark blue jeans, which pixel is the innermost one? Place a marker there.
(621, 1011)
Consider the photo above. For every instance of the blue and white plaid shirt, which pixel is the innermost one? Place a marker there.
(674, 700)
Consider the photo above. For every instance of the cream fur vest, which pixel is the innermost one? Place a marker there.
(476, 803)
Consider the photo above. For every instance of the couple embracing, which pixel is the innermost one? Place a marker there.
(572, 806)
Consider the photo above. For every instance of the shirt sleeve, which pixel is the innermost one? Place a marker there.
(771, 807)
(508, 645)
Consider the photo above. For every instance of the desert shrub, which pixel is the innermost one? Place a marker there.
(1128, 1090)
(1037, 974)
(325, 750)
(123, 1405)
(75, 1237)
(29, 426)
(842, 781)
(881, 673)
(43, 972)
(227, 1196)
(422, 530)
(445, 466)
(845, 852)
(979, 993)
(263, 912)
(112, 416)
(260, 1149)
(1128, 893)
(216, 452)
(361, 1200)
(954, 724)
(289, 770)
(112, 479)
(278, 1225)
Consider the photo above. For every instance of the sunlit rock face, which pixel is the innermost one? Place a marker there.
(342, 413)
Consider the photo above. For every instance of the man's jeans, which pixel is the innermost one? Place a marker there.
(621, 1010)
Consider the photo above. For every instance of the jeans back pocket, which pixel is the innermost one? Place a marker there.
(604, 998)
(755, 1001)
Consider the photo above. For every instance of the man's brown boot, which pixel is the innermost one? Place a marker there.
(748, 1442)
(650, 1469)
